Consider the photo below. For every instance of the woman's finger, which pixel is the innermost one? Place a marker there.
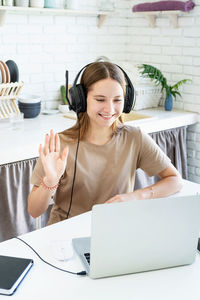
(51, 142)
(57, 143)
(46, 145)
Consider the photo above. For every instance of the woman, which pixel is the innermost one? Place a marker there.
(109, 154)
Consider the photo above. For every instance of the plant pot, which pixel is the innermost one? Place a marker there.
(169, 103)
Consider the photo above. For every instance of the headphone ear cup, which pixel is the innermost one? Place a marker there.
(78, 98)
(128, 103)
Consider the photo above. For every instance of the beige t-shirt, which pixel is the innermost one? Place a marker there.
(103, 171)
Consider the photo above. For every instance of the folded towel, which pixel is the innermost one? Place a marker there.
(164, 5)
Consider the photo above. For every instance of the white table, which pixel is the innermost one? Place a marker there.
(44, 282)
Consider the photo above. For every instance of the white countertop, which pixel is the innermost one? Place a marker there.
(21, 144)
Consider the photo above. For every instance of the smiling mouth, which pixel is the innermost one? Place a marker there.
(107, 117)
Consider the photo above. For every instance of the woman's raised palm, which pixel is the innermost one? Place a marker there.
(54, 162)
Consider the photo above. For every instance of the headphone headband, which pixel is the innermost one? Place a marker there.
(78, 96)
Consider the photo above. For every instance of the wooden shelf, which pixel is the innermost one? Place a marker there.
(101, 15)
(151, 16)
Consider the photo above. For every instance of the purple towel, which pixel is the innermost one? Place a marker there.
(164, 5)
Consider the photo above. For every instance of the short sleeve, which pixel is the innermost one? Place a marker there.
(38, 173)
(152, 159)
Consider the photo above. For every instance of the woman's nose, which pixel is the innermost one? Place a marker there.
(109, 107)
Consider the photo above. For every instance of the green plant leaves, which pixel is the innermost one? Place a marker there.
(156, 75)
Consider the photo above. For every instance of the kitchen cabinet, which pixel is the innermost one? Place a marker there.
(20, 151)
(101, 15)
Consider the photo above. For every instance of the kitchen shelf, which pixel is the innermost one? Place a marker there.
(101, 15)
(151, 16)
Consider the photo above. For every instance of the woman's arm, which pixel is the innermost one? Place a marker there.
(38, 201)
(54, 164)
(170, 183)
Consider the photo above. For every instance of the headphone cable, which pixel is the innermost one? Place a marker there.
(75, 165)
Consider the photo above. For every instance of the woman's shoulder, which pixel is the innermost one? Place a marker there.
(65, 138)
(130, 131)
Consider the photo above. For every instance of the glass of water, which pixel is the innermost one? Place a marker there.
(17, 121)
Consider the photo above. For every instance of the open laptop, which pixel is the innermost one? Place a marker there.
(140, 235)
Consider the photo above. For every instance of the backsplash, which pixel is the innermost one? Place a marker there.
(45, 45)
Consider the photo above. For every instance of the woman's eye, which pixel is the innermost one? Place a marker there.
(118, 100)
(100, 100)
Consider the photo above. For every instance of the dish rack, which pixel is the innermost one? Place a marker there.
(147, 96)
(8, 94)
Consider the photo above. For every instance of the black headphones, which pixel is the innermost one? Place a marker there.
(77, 100)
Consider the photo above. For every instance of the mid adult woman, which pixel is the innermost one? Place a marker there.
(109, 152)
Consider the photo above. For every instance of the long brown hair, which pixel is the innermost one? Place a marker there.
(94, 72)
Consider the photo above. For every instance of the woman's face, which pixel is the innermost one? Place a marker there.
(105, 102)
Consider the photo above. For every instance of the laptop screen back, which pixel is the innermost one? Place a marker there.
(143, 235)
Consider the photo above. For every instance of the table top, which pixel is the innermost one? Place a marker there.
(44, 282)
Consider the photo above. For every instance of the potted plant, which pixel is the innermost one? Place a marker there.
(64, 107)
(156, 75)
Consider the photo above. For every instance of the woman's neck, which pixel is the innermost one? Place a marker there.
(99, 136)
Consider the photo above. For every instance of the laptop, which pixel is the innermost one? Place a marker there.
(140, 235)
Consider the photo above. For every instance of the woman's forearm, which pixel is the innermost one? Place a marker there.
(165, 187)
(38, 201)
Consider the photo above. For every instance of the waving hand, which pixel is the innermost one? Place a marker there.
(54, 162)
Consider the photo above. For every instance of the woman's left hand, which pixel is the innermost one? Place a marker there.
(124, 197)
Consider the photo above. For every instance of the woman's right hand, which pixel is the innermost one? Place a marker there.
(54, 162)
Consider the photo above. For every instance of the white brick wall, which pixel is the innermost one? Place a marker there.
(178, 56)
(44, 46)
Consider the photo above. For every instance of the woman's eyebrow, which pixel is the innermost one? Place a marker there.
(100, 96)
